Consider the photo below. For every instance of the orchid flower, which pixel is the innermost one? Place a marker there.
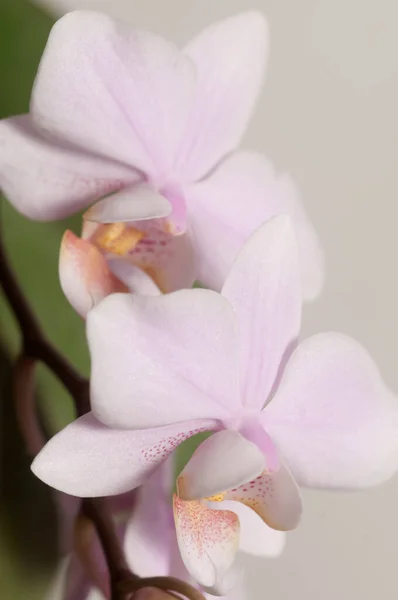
(150, 539)
(123, 118)
(283, 414)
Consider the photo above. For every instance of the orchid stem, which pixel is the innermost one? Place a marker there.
(24, 398)
(95, 510)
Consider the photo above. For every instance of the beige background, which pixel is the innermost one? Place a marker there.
(329, 115)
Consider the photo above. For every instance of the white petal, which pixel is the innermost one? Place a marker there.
(114, 90)
(208, 541)
(150, 530)
(47, 179)
(89, 459)
(264, 289)
(230, 59)
(243, 192)
(162, 359)
(333, 419)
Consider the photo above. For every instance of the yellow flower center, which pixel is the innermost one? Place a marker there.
(117, 238)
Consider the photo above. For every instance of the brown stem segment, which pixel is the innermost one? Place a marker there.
(24, 398)
(36, 347)
(95, 510)
(167, 584)
(83, 536)
(28, 324)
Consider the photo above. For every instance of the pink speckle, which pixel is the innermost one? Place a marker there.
(167, 445)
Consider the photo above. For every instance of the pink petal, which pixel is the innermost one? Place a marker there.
(224, 460)
(116, 91)
(275, 498)
(84, 274)
(135, 203)
(264, 289)
(150, 531)
(89, 459)
(334, 421)
(228, 206)
(48, 180)
(162, 359)
(256, 538)
(208, 541)
(230, 59)
(149, 245)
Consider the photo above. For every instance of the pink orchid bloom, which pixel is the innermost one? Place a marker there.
(150, 539)
(125, 118)
(167, 367)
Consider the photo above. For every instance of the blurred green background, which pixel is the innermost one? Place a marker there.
(28, 543)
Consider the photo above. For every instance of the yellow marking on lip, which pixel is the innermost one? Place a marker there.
(117, 238)
(216, 498)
